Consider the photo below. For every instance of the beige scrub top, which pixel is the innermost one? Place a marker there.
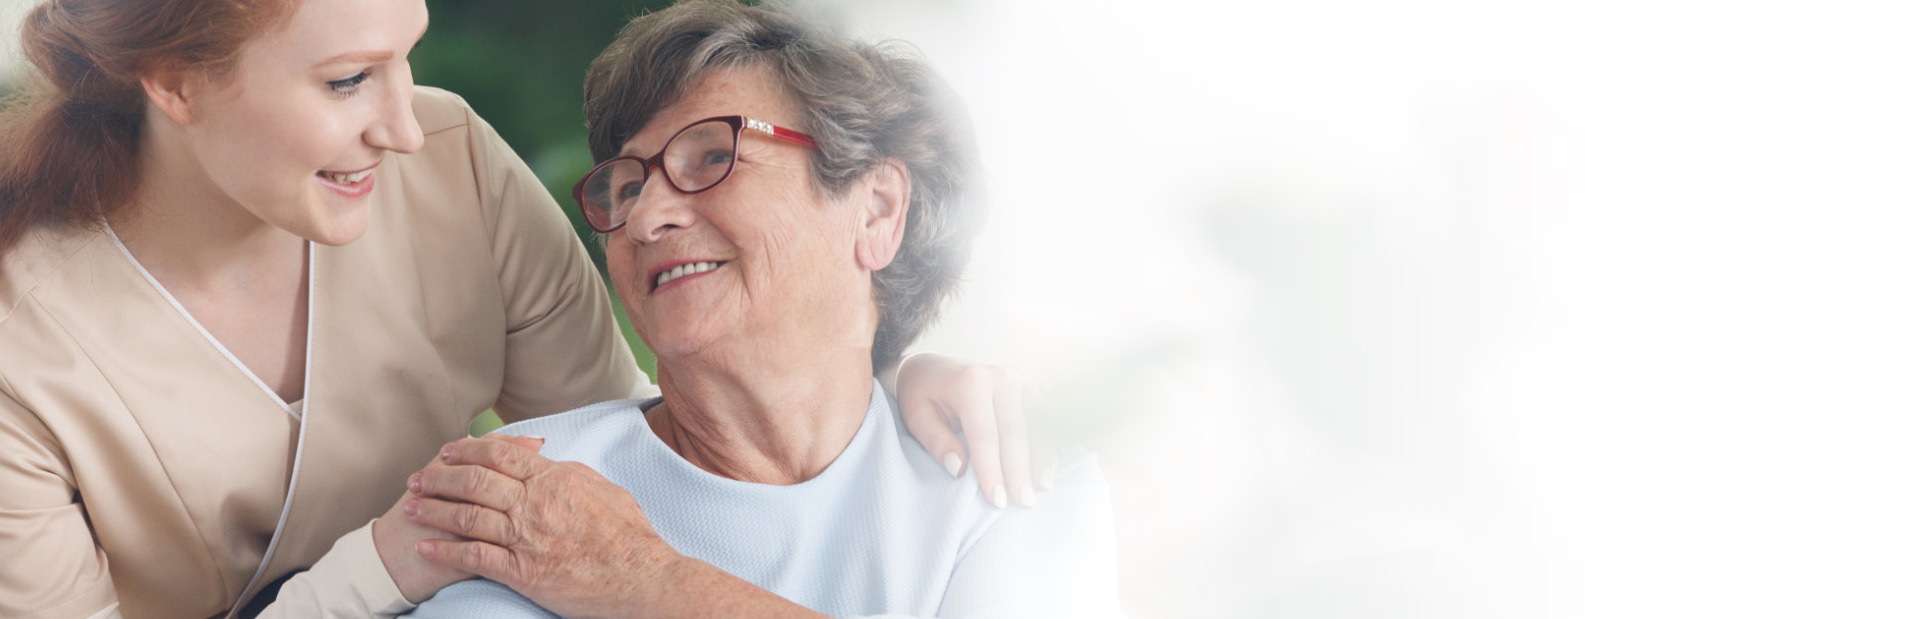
(141, 465)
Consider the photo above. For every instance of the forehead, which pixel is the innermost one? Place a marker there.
(750, 91)
(319, 30)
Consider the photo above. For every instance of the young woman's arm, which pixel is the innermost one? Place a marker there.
(52, 568)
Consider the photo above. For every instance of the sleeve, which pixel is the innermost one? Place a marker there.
(349, 581)
(564, 349)
(1053, 560)
(52, 567)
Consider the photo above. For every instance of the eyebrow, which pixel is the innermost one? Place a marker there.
(368, 56)
(356, 57)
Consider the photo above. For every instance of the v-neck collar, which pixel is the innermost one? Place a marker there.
(306, 380)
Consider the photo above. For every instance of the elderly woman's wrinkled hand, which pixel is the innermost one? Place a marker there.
(939, 393)
(557, 532)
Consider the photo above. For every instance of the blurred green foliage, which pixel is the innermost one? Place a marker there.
(520, 64)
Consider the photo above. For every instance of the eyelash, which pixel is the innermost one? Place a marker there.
(349, 86)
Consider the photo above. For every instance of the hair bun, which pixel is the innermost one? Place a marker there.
(55, 40)
(69, 145)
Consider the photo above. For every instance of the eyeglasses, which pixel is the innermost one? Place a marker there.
(698, 158)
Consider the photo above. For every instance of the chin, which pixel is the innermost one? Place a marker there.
(671, 343)
(342, 229)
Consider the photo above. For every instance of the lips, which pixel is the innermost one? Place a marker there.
(667, 274)
(346, 178)
(351, 184)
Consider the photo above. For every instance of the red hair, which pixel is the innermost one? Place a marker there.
(69, 144)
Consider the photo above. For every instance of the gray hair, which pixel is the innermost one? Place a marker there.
(864, 103)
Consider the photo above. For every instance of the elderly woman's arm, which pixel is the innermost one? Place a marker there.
(579, 545)
(571, 541)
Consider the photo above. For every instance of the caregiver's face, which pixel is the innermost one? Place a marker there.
(294, 135)
(747, 261)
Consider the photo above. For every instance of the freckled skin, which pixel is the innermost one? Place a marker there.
(257, 139)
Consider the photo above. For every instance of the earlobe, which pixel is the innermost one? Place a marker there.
(883, 215)
(168, 91)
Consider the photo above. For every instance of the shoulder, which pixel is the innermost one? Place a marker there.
(439, 111)
(445, 166)
(583, 433)
(1077, 503)
(445, 116)
(40, 256)
(1079, 467)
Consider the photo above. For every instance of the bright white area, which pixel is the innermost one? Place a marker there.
(1467, 309)
(12, 61)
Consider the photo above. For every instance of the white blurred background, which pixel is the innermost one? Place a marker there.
(1472, 309)
(1466, 309)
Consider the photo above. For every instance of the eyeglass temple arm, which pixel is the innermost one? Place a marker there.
(781, 132)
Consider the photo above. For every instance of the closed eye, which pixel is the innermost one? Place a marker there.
(348, 85)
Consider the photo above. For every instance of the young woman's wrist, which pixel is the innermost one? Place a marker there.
(395, 538)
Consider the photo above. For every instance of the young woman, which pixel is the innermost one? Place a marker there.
(251, 277)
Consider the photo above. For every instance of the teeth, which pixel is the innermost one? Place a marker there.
(685, 269)
(348, 179)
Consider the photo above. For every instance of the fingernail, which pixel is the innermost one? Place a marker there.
(536, 437)
(953, 464)
(1025, 495)
(411, 507)
(425, 548)
(1047, 482)
(1000, 497)
(447, 454)
(413, 483)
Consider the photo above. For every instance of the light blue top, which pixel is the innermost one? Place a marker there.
(883, 531)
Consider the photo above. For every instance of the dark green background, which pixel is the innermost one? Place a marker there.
(520, 64)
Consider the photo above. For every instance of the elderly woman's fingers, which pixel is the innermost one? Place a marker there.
(463, 519)
(487, 560)
(528, 442)
(1012, 421)
(467, 483)
(510, 459)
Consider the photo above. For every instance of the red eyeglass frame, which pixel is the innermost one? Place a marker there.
(739, 123)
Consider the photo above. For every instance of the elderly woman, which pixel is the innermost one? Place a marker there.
(785, 210)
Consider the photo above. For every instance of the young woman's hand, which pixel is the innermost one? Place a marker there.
(943, 399)
(396, 536)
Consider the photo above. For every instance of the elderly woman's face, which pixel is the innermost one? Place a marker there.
(761, 259)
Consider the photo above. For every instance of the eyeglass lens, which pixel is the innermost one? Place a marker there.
(695, 160)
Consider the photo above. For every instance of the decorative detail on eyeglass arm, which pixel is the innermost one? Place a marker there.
(760, 126)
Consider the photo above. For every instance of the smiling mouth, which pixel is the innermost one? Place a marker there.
(345, 178)
(683, 271)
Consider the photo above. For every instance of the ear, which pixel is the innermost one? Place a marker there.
(883, 215)
(170, 91)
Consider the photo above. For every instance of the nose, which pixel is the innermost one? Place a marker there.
(657, 210)
(394, 127)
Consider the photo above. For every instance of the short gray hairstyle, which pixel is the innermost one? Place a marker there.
(864, 103)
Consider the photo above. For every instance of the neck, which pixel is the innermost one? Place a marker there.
(776, 422)
(183, 228)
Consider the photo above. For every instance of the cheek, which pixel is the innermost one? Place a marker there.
(621, 267)
(277, 150)
(314, 141)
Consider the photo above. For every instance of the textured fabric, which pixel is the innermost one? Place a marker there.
(884, 530)
(139, 466)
